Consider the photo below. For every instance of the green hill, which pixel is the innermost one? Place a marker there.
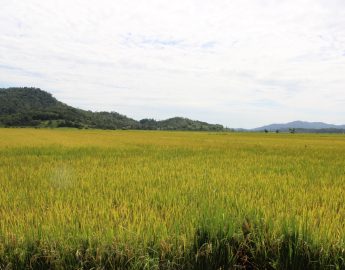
(178, 123)
(34, 107)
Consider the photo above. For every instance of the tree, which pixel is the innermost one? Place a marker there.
(292, 130)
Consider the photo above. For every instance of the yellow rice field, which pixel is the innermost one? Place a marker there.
(167, 199)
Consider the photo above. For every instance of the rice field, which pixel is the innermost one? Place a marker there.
(91, 199)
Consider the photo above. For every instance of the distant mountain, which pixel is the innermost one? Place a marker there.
(299, 125)
(35, 107)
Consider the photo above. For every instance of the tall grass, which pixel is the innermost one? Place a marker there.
(171, 200)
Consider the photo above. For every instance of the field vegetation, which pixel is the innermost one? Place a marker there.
(82, 199)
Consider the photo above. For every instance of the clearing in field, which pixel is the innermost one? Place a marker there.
(171, 200)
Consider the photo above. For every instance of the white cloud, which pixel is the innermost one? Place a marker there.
(241, 63)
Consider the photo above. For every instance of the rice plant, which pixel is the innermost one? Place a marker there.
(83, 199)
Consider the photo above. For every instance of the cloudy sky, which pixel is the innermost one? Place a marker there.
(241, 63)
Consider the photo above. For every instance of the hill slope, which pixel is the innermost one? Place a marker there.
(178, 123)
(34, 107)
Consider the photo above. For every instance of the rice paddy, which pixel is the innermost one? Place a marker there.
(82, 199)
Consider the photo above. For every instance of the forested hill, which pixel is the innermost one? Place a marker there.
(35, 107)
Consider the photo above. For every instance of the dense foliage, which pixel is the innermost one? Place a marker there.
(34, 107)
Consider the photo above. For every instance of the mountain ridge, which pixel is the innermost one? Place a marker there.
(24, 106)
(298, 125)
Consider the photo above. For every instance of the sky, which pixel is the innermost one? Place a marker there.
(240, 63)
